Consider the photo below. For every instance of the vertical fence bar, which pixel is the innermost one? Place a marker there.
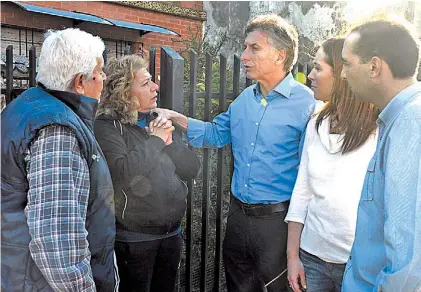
(172, 74)
(206, 179)
(249, 82)
(32, 66)
(152, 68)
(190, 185)
(9, 74)
(26, 43)
(295, 70)
(306, 71)
(20, 42)
(236, 77)
(152, 60)
(105, 56)
(235, 93)
(220, 175)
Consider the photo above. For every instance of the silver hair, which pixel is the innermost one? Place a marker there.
(65, 54)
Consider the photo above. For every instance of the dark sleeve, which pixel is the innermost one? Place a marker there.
(126, 163)
(186, 162)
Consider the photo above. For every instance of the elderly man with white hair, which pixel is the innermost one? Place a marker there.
(57, 222)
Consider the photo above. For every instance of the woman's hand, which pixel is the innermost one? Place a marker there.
(169, 140)
(295, 273)
(164, 115)
(164, 131)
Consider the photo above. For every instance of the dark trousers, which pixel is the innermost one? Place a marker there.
(149, 266)
(254, 251)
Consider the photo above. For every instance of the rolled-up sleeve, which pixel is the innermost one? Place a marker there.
(58, 195)
(215, 134)
(402, 228)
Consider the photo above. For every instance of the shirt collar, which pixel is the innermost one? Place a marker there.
(144, 119)
(283, 88)
(394, 107)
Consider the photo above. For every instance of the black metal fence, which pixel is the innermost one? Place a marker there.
(15, 85)
(204, 272)
(202, 268)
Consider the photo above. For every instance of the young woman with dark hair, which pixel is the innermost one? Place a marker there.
(340, 141)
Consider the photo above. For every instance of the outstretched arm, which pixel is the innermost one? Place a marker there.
(215, 134)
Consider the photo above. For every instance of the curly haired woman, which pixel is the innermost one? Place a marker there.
(147, 171)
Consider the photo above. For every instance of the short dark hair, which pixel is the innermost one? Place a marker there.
(281, 34)
(392, 41)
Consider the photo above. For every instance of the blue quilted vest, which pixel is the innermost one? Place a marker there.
(21, 120)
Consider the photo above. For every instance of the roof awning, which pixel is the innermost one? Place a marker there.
(81, 16)
(141, 26)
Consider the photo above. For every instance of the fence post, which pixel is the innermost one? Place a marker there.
(220, 175)
(172, 77)
(248, 82)
(236, 77)
(235, 93)
(206, 178)
(152, 60)
(295, 70)
(189, 215)
(9, 73)
(105, 56)
(32, 66)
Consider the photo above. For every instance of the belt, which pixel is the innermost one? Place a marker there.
(261, 209)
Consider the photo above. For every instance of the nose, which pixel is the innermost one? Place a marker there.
(155, 86)
(343, 74)
(311, 75)
(244, 56)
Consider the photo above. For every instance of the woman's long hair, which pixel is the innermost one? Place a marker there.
(349, 116)
(116, 99)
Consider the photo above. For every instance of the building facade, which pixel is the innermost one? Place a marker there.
(125, 26)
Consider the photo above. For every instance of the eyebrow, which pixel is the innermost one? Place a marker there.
(145, 79)
(252, 44)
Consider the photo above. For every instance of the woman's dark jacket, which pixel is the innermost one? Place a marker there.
(150, 196)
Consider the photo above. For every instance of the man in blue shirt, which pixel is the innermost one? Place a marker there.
(380, 63)
(264, 124)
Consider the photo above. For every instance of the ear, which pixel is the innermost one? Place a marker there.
(376, 65)
(78, 86)
(282, 56)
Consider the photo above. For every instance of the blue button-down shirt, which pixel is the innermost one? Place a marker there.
(386, 255)
(265, 139)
